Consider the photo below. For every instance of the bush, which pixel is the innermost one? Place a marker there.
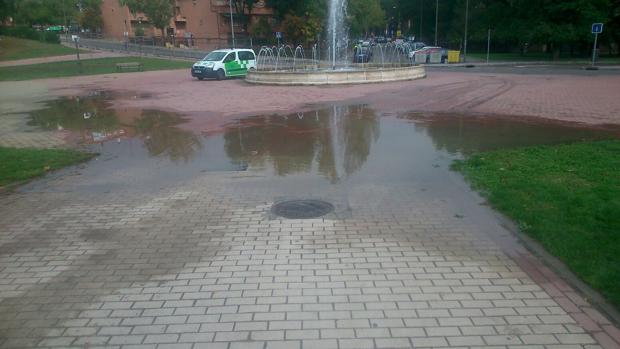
(30, 34)
(50, 38)
(22, 32)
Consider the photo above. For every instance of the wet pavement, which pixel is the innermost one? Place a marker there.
(168, 237)
(525, 68)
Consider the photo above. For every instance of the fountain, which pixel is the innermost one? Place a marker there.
(288, 65)
(338, 31)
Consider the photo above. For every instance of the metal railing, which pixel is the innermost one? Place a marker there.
(170, 47)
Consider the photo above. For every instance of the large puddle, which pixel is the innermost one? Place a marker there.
(149, 148)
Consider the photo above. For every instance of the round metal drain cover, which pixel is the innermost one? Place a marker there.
(302, 209)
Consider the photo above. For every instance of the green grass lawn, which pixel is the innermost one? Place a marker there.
(536, 57)
(18, 165)
(567, 197)
(89, 67)
(15, 48)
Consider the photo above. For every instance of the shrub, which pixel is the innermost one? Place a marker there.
(50, 37)
(30, 34)
(22, 32)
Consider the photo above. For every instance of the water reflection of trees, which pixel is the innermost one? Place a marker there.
(359, 130)
(467, 135)
(95, 121)
(336, 141)
(76, 114)
(162, 137)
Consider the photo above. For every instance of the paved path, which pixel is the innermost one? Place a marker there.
(201, 263)
(40, 60)
(588, 97)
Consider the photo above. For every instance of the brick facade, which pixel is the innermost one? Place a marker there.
(201, 18)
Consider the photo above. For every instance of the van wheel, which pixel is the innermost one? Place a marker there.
(221, 75)
(200, 78)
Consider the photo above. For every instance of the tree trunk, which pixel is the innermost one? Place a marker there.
(556, 51)
(163, 36)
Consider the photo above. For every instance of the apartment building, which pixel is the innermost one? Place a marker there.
(199, 18)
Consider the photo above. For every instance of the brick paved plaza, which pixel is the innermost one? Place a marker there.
(89, 258)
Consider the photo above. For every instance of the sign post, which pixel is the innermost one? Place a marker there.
(597, 28)
(488, 45)
(76, 40)
(232, 23)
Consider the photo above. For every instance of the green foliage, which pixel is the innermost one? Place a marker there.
(364, 16)
(44, 12)
(50, 38)
(89, 67)
(139, 31)
(243, 9)
(262, 29)
(90, 17)
(7, 9)
(301, 30)
(158, 12)
(31, 34)
(21, 32)
(17, 165)
(283, 7)
(301, 20)
(567, 197)
(554, 23)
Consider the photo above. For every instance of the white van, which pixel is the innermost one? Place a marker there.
(221, 64)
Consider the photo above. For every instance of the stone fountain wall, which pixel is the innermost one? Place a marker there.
(336, 77)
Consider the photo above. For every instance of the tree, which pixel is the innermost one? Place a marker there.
(301, 30)
(612, 32)
(365, 15)
(262, 29)
(243, 9)
(43, 12)
(7, 9)
(283, 7)
(158, 12)
(90, 15)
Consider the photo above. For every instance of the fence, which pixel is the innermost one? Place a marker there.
(172, 47)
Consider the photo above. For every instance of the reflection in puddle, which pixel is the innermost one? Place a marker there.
(335, 141)
(146, 148)
(90, 120)
(469, 134)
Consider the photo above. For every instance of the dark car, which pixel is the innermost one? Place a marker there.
(362, 54)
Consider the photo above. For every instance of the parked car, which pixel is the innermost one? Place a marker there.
(380, 40)
(428, 51)
(362, 54)
(416, 45)
(221, 64)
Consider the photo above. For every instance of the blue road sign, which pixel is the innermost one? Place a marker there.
(597, 28)
(279, 35)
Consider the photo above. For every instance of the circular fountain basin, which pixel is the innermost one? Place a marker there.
(336, 77)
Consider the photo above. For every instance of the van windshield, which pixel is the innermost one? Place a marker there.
(215, 56)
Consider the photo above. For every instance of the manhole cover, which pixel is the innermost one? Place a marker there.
(302, 209)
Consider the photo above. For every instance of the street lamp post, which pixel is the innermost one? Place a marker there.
(436, 19)
(421, 16)
(232, 23)
(466, 25)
